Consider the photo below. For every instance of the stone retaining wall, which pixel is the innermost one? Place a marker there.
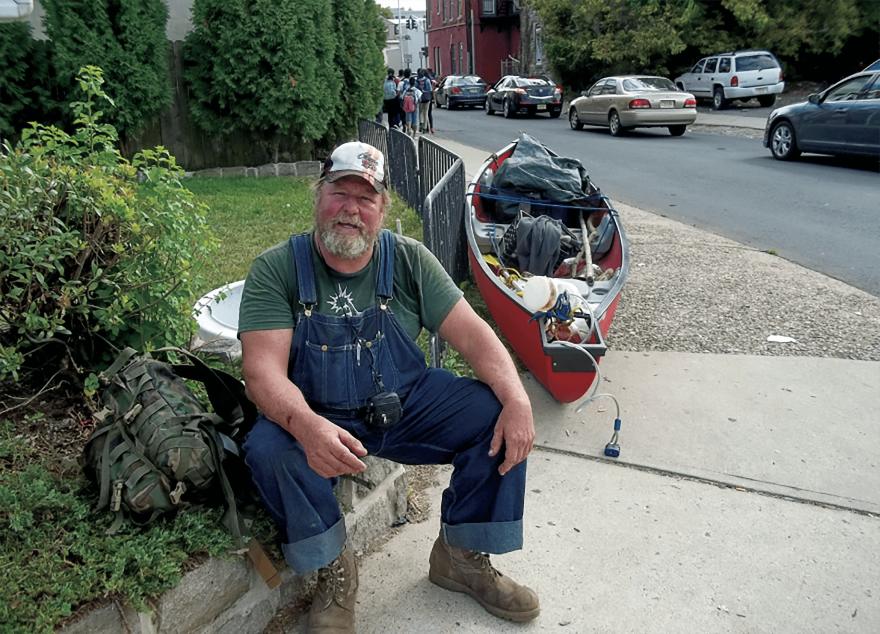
(230, 597)
(300, 168)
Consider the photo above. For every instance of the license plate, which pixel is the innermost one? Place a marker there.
(542, 106)
(667, 103)
(760, 90)
(472, 90)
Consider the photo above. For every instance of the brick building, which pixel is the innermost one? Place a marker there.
(480, 37)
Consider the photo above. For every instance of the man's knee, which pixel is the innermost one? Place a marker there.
(266, 444)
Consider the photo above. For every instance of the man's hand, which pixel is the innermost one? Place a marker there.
(516, 430)
(331, 450)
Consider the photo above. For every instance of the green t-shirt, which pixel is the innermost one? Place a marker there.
(424, 294)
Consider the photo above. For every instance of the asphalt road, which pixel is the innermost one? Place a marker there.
(820, 212)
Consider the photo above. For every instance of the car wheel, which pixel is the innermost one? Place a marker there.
(573, 120)
(614, 124)
(554, 114)
(783, 144)
(488, 106)
(718, 100)
(505, 108)
(677, 130)
(767, 101)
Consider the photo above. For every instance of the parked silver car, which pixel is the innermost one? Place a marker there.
(633, 101)
(737, 75)
(844, 119)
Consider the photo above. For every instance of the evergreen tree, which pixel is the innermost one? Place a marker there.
(263, 65)
(15, 44)
(360, 63)
(125, 38)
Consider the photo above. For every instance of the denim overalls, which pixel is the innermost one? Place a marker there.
(335, 361)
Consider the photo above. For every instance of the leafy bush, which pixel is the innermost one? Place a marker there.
(95, 253)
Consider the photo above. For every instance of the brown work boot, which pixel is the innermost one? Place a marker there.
(333, 606)
(471, 572)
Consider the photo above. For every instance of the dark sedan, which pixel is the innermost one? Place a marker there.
(844, 119)
(533, 95)
(460, 90)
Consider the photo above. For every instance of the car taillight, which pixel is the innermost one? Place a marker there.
(690, 103)
(734, 81)
(639, 103)
(456, 89)
(780, 75)
(521, 91)
(487, 88)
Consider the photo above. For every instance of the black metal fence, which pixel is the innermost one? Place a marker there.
(431, 180)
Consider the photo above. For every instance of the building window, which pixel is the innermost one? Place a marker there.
(460, 9)
(438, 62)
(428, 13)
(489, 7)
(452, 58)
(461, 57)
(445, 2)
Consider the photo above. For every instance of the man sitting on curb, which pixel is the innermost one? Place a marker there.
(328, 325)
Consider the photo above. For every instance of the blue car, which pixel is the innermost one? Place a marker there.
(843, 120)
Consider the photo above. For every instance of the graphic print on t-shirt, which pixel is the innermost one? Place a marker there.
(342, 302)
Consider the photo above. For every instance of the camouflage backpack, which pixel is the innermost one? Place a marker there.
(157, 450)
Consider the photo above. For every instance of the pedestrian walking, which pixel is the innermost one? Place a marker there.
(411, 96)
(423, 83)
(390, 103)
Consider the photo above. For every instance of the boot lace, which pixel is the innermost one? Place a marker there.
(481, 561)
(331, 582)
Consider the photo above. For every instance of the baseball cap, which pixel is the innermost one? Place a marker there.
(356, 159)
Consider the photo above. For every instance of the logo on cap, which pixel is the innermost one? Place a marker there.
(369, 162)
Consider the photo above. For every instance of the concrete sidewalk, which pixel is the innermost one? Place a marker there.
(744, 500)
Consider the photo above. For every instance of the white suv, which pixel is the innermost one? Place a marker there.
(736, 75)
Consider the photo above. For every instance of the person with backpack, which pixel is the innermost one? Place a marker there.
(410, 96)
(423, 83)
(328, 324)
(391, 104)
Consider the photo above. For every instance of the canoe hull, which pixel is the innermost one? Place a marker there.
(565, 371)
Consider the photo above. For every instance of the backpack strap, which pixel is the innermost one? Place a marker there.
(226, 393)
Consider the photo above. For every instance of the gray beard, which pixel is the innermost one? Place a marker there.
(346, 247)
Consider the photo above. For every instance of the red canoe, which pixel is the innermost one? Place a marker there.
(545, 343)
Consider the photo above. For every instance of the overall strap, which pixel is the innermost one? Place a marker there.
(385, 282)
(301, 251)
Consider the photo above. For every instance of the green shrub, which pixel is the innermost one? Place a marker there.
(95, 253)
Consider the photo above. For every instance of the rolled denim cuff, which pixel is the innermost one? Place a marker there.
(317, 551)
(494, 538)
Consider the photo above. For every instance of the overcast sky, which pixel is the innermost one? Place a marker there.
(405, 5)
